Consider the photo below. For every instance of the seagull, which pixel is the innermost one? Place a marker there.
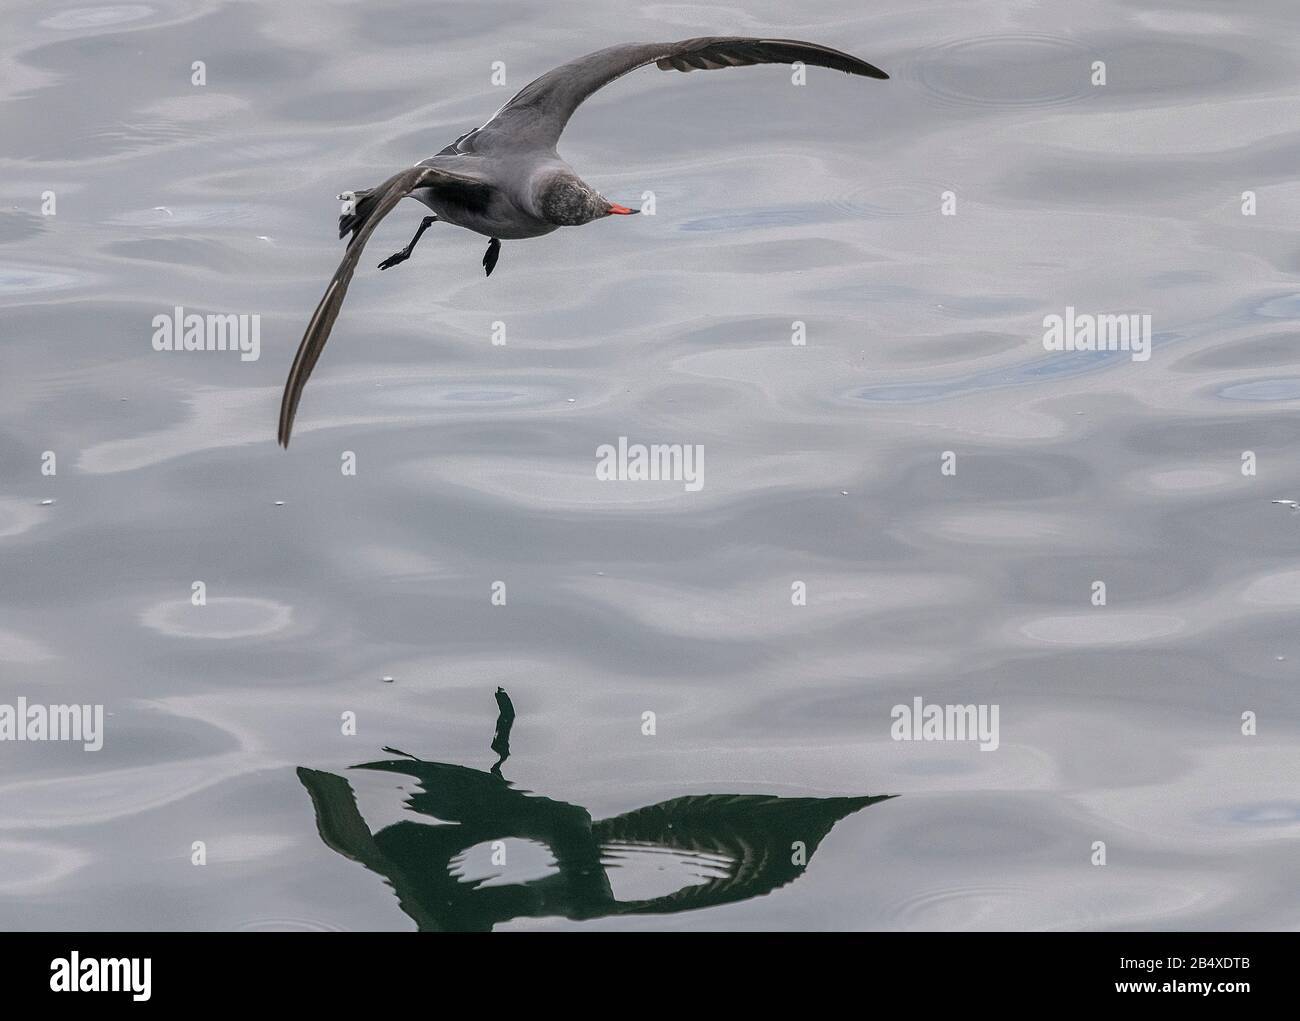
(1289, 503)
(506, 181)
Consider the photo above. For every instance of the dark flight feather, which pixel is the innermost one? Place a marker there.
(375, 205)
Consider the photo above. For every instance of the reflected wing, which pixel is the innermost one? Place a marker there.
(754, 834)
(377, 204)
(342, 828)
(537, 115)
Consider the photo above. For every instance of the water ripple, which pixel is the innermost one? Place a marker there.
(1283, 389)
(1005, 71)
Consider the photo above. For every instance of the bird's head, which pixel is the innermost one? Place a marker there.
(568, 201)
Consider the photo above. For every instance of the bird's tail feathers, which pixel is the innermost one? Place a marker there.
(362, 204)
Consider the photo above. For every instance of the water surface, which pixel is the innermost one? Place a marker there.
(229, 724)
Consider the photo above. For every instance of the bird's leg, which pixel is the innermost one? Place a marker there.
(405, 253)
(490, 256)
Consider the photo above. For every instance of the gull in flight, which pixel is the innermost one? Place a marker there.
(505, 180)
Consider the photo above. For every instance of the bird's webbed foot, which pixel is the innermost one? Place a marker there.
(491, 255)
(397, 258)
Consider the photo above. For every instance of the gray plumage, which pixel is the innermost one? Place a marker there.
(505, 180)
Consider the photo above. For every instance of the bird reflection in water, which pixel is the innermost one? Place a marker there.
(743, 845)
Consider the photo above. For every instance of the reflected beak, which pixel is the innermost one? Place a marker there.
(614, 207)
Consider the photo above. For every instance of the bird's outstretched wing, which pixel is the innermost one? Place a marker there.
(747, 837)
(537, 115)
(379, 202)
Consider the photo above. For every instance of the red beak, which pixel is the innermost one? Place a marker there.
(614, 207)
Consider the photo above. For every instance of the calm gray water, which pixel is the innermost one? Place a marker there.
(1119, 725)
